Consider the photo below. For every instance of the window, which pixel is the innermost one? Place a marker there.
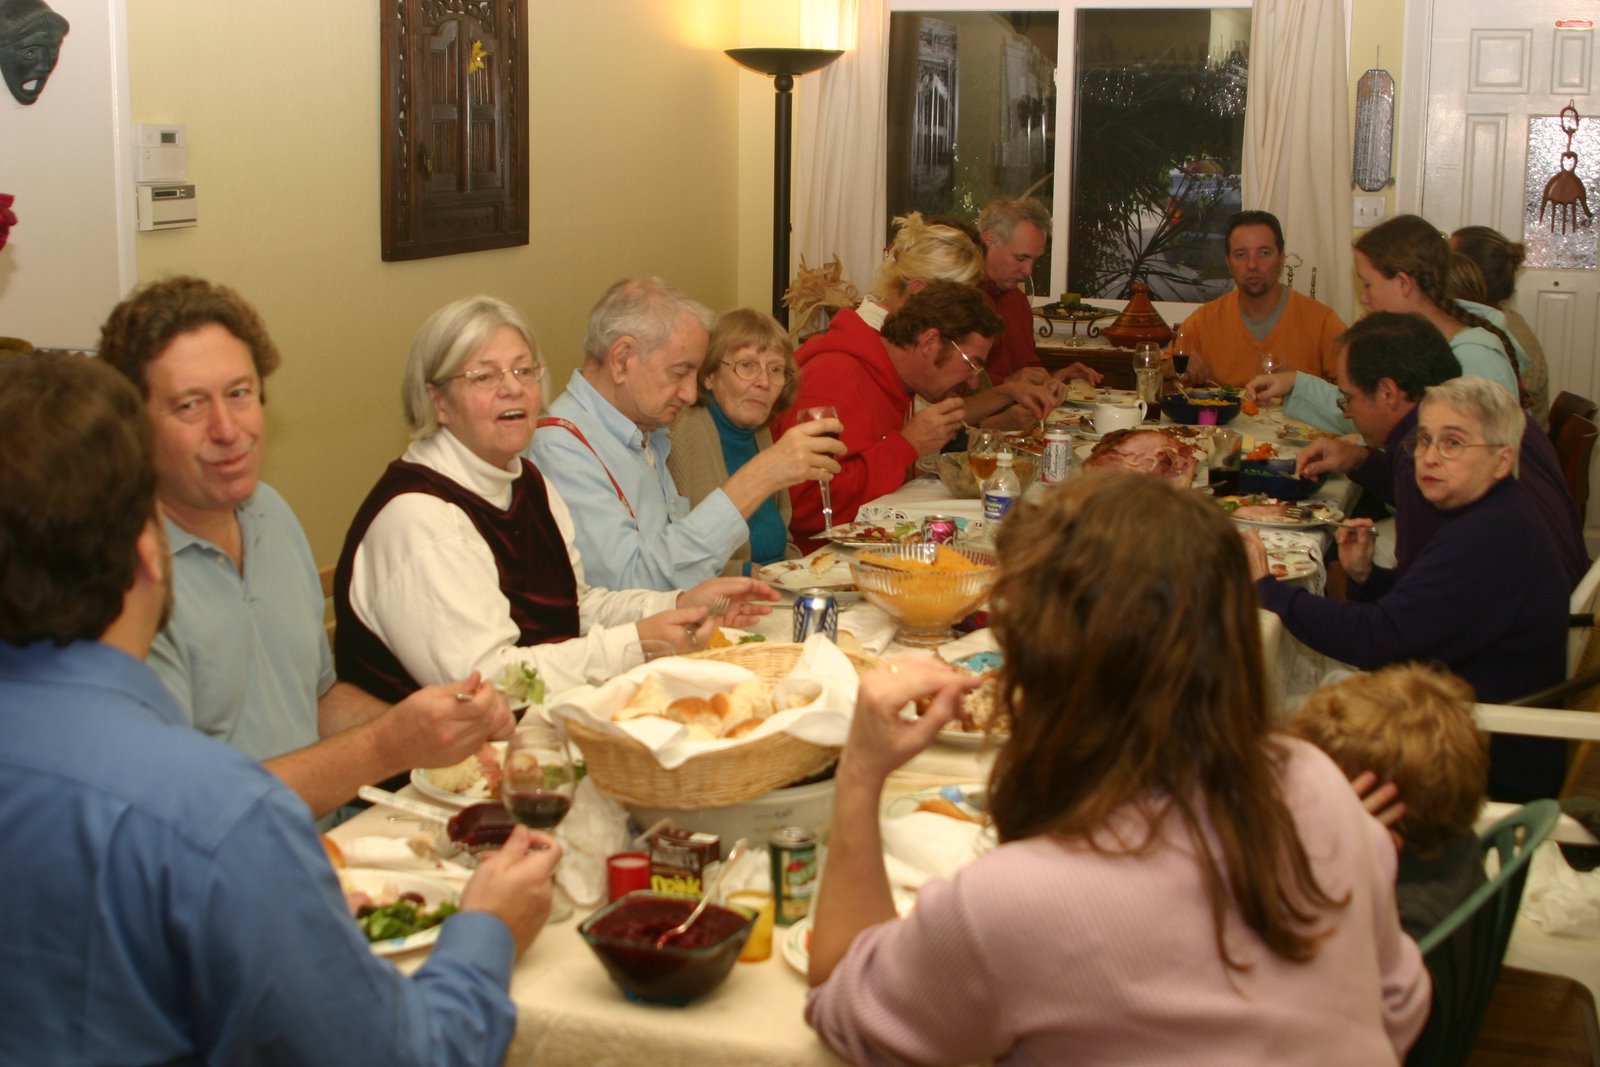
(1150, 138)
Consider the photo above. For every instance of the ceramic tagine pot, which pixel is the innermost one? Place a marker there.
(1138, 322)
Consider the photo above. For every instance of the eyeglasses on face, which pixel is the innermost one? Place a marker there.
(973, 365)
(486, 378)
(1449, 446)
(748, 370)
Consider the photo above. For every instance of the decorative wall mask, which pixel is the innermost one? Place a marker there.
(30, 44)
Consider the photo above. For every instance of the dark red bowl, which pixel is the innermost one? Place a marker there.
(623, 935)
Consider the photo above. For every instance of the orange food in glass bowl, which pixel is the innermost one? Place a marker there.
(927, 587)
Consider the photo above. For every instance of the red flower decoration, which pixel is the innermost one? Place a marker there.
(8, 218)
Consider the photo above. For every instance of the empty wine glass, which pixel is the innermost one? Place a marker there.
(822, 411)
(1272, 363)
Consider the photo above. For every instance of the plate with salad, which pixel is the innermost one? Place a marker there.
(405, 911)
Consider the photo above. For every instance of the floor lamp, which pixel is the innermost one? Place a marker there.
(783, 65)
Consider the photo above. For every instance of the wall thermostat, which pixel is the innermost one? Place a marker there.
(161, 154)
(167, 207)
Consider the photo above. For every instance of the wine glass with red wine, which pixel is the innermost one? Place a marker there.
(822, 411)
(538, 779)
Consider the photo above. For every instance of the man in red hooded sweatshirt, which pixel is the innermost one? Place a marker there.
(935, 345)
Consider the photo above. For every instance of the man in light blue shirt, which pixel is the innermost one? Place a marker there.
(605, 446)
(169, 901)
(245, 652)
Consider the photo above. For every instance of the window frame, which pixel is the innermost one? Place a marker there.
(1066, 80)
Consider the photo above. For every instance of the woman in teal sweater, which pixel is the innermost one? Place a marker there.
(748, 376)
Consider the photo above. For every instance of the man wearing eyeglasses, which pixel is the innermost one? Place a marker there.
(934, 347)
(245, 652)
(606, 442)
(1384, 364)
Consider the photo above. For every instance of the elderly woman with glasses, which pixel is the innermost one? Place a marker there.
(463, 558)
(748, 377)
(1486, 596)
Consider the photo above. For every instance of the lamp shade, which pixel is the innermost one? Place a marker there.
(792, 61)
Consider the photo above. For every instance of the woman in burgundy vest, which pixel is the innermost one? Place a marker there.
(461, 558)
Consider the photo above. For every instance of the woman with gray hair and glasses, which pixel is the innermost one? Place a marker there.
(1486, 597)
(464, 554)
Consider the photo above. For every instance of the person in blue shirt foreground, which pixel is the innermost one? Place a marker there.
(169, 901)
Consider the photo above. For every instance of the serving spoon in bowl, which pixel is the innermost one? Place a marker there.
(711, 890)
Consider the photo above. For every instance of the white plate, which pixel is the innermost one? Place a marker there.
(954, 735)
(1104, 396)
(434, 891)
(1297, 564)
(906, 804)
(474, 794)
(795, 951)
(795, 575)
(1323, 514)
(849, 535)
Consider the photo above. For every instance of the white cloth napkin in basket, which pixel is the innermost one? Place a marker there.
(823, 675)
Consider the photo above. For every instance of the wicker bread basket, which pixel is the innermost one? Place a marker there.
(625, 769)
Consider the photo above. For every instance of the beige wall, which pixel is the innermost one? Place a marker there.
(635, 130)
(1376, 31)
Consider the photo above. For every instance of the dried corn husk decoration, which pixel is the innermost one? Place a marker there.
(816, 293)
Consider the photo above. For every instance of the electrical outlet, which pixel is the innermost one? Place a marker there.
(1369, 211)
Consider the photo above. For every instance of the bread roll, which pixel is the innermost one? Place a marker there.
(649, 699)
(746, 702)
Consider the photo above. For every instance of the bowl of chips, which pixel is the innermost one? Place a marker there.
(927, 587)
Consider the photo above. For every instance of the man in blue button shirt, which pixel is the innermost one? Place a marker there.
(167, 898)
(245, 652)
(605, 447)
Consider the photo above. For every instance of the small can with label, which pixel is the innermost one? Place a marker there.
(939, 530)
(816, 612)
(794, 872)
(1057, 456)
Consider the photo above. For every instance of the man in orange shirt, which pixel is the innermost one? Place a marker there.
(1227, 338)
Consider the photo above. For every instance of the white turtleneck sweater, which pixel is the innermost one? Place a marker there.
(426, 584)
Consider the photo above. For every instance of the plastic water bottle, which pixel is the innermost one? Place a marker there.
(1001, 490)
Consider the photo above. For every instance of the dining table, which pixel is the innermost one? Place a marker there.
(568, 1009)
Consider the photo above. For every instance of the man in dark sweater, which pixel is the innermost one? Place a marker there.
(1385, 363)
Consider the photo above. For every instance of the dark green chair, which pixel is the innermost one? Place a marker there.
(1464, 951)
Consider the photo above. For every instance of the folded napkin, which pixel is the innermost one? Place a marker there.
(824, 678)
(969, 644)
(873, 627)
(392, 853)
(923, 845)
(595, 827)
(1562, 901)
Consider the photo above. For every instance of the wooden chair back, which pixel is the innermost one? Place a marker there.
(1567, 404)
(1575, 449)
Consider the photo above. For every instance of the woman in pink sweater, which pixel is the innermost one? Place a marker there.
(1175, 883)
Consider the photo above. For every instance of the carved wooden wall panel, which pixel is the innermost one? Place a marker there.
(455, 126)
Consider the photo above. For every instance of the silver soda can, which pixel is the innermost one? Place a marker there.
(939, 530)
(816, 612)
(1057, 456)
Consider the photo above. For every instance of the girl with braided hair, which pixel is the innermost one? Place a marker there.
(1404, 265)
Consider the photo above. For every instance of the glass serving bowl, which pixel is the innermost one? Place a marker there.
(926, 602)
(623, 935)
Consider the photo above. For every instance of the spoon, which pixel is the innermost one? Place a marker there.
(677, 931)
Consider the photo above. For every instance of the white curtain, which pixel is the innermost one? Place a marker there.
(1297, 139)
(840, 186)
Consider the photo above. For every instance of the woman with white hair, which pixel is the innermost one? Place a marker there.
(464, 554)
(1486, 597)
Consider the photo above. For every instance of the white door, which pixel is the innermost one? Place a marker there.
(1495, 66)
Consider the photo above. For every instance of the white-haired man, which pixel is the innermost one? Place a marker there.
(605, 447)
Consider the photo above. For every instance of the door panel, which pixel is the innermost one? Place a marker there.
(1492, 66)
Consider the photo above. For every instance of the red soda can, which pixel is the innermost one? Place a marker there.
(939, 530)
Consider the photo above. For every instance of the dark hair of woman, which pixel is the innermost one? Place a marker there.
(1409, 244)
(1134, 681)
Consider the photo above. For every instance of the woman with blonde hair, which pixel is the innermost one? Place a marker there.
(1174, 882)
(926, 250)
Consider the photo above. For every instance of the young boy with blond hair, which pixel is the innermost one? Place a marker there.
(1412, 726)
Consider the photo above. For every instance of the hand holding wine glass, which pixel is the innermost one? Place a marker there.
(811, 414)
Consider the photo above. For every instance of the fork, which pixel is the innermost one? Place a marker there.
(719, 607)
